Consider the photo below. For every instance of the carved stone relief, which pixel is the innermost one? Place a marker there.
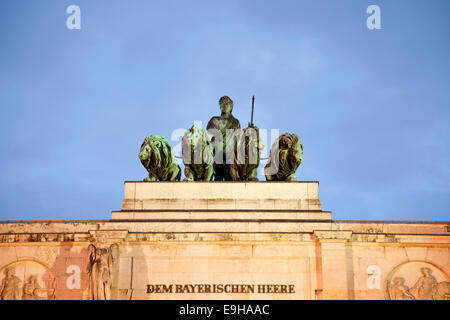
(417, 281)
(26, 280)
(47, 254)
(32, 290)
(101, 268)
(10, 285)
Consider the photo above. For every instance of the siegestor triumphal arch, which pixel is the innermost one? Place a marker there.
(224, 240)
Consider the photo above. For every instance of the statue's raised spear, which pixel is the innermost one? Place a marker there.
(251, 119)
(253, 108)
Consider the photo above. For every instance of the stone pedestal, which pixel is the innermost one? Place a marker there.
(222, 200)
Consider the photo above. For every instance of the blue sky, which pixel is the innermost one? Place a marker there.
(370, 106)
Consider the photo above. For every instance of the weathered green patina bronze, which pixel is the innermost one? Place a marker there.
(156, 156)
(232, 154)
(285, 157)
(197, 155)
(246, 154)
(225, 124)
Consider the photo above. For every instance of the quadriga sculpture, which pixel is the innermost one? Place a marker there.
(285, 157)
(156, 156)
(197, 155)
(246, 154)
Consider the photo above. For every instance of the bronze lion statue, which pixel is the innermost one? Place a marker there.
(198, 155)
(156, 156)
(246, 154)
(285, 157)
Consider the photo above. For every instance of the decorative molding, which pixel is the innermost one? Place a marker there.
(332, 234)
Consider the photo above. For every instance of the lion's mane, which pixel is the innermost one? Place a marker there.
(286, 156)
(156, 156)
(246, 154)
(197, 152)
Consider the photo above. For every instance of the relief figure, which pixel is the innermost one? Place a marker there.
(398, 290)
(10, 287)
(33, 291)
(424, 286)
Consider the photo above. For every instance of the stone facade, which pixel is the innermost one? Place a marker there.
(224, 240)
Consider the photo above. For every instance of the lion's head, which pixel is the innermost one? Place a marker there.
(285, 157)
(291, 150)
(196, 147)
(247, 146)
(155, 153)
